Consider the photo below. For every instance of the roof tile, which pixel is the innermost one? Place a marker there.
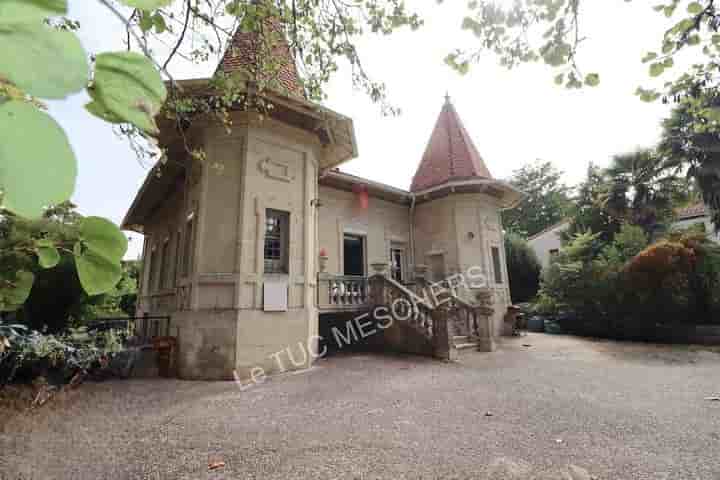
(449, 155)
(243, 55)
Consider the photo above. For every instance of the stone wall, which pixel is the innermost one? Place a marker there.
(462, 229)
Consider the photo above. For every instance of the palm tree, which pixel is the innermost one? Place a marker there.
(642, 189)
(692, 142)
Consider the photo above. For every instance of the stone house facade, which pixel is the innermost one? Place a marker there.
(250, 251)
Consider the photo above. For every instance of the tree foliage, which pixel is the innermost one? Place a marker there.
(627, 288)
(68, 260)
(689, 142)
(642, 189)
(523, 268)
(589, 213)
(546, 202)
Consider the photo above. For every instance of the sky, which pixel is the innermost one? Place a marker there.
(514, 117)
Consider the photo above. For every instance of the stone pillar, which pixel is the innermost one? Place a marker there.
(486, 342)
(443, 347)
(377, 290)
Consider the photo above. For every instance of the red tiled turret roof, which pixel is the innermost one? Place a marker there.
(449, 155)
(248, 51)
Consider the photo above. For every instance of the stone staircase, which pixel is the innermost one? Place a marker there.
(436, 329)
(464, 342)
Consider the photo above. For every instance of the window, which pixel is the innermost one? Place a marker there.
(497, 267)
(188, 248)
(276, 241)
(437, 267)
(151, 271)
(397, 260)
(554, 252)
(353, 255)
(177, 256)
(162, 280)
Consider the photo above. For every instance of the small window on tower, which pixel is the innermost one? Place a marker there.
(276, 241)
(497, 266)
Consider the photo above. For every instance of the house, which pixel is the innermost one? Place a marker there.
(547, 242)
(696, 214)
(250, 251)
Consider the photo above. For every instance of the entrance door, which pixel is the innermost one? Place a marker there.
(397, 259)
(437, 267)
(354, 255)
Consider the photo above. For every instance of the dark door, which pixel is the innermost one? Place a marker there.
(354, 255)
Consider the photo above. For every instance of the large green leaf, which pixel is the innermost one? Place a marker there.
(146, 4)
(102, 234)
(37, 165)
(43, 61)
(129, 86)
(14, 11)
(48, 255)
(98, 255)
(14, 294)
(97, 273)
(97, 108)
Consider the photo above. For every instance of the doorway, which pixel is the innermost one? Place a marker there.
(354, 255)
(437, 267)
(398, 263)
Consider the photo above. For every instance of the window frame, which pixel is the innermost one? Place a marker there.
(278, 263)
(188, 246)
(162, 267)
(399, 272)
(151, 269)
(497, 264)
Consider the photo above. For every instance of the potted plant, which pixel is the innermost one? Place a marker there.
(323, 260)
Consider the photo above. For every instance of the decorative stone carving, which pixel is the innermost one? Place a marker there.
(276, 170)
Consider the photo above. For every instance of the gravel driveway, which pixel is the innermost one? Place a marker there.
(562, 408)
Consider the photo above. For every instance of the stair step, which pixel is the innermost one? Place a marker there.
(463, 346)
(460, 338)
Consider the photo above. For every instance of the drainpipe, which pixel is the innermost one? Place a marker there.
(412, 233)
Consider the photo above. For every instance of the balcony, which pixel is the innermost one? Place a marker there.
(342, 293)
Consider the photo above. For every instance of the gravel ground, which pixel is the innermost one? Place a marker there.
(561, 408)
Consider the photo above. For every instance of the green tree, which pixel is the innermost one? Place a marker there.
(546, 203)
(642, 189)
(688, 140)
(589, 212)
(69, 260)
(523, 268)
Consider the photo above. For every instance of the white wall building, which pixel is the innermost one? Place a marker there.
(547, 243)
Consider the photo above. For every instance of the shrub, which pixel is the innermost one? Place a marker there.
(28, 354)
(626, 290)
(523, 268)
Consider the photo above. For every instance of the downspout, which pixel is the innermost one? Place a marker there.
(412, 233)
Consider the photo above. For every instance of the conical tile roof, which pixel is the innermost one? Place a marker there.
(248, 52)
(449, 155)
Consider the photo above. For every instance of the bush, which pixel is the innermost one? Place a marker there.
(28, 354)
(57, 299)
(523, 268)
(626, 289)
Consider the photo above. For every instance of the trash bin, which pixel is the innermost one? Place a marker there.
(166, 348)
